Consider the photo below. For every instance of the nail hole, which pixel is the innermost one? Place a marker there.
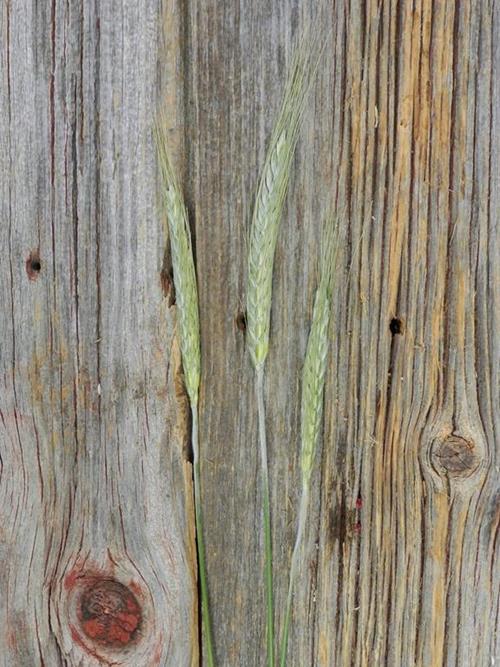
(396, 326)
(241, 321)
(33, 265)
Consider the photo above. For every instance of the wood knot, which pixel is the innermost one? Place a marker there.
(109, 613)
(455, 456)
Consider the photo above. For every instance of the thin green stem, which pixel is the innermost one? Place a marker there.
(200, 542)
(268, 550)
(304, 502)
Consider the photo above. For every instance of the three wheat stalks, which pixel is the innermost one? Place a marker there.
(264, 231)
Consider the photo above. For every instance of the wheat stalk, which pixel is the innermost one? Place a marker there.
(264, 229)
(313, 384)
(186, 295)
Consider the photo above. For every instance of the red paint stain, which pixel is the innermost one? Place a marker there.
(359, 503)
(109, 613)
(158, 650)
(75, 636)
(135, 588)
(12, 639)
(82, 574)
(71, 579)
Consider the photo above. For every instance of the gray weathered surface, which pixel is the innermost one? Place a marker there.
(92, 481)
(403, 129)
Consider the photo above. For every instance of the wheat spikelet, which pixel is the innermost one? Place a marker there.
(314, 370)
(270, 199)
(313, 384)
(186, 292)
(264, 229)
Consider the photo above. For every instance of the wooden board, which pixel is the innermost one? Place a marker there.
(401, 136)
(95, 491)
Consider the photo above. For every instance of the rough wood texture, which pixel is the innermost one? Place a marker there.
(94, 484)
(404, 129)
(401, 562)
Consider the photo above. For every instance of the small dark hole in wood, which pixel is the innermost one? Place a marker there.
(396, 326)
(33, 265)
(167, 285)
(241, 321)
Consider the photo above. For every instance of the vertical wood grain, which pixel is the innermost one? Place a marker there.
(94, 480)
(401, 136)
(401, 562)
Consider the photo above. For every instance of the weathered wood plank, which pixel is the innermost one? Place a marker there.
(94, 483)
(401, 564)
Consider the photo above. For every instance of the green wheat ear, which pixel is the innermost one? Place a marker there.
(270, 199)
(267, 213)
(313, 385)
(186, 295)
(314, 370)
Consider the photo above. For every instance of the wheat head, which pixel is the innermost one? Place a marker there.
(314, 370)
(270, 199)
(313, 383)
(186, 293)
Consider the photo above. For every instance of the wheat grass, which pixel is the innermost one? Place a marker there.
(313, 383)
(270, 199)
(186, 295)
(267, 213)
